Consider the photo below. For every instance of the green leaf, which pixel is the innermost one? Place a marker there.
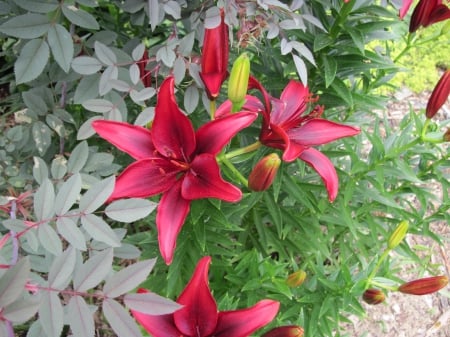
(86, 65)
(330, 69)
(51, 314)
(358, 38)
(119, 319)
(36, 330)
(191, 97)
(97, 195)
(69, 230)
(342, 91)
(60, 273)
(99, 230)
(38, 6)
(13, 282)
(79, 17)
(93, 271)
(105, 85)
(150, 303)
(81, 318)
(40, 170)
(105, 54)
(128, 278)
(44, 200)
(59, 167)
(129, 210)
(49, 239)
(78, 157)
(41, 136)
(35, 102)
(85, 131)
(26, 26)
(61, 45)
(68, 194)
(86, 89)
(21, 310)
(32, 60)
(98, 105)
(321, 41)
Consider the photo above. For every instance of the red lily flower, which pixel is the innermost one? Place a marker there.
(286, 127)
(174, 160)
(439, 95)
(214, 60)
(199, 316)
(428, 12)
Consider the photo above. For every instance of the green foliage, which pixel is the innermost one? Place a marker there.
(80, 257)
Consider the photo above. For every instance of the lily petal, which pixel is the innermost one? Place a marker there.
(145, 178)
(324, 167)
(171, 214)
(320, 131)
(213, 136)
(295, 97)
(252, 104)
(132, 139)
(199, 315)
(172, 132)
(156, 325)
(242, 323)
(204, 181)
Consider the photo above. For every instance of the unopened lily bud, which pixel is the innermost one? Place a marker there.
(446, 137)
(296, 279)
(439, 95)
(285, 331)
(424, 286)
(238, 82)
(373, 296)
(398, 235)
(264, 173)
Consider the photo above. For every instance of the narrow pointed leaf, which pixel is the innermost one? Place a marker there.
(105, 54)
(93, 271)
(61, 45)
(68, 194)
(81, 318)
(44, 200)
(120, 320)
(69, 230)
(79, 17)
(32, 60)
(129, 210)
(61, 269)
(27, 26)
(51, 314)
(49, 239)
(21, 310)
(97, 195)
(13, 282)
(99, 230)
(151, 304)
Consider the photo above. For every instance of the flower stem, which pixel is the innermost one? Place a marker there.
(234, 170)
(249, 148)
(212, 108)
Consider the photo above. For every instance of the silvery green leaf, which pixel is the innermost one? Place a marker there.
(312, 19)
(138, 52)
(187, 44)
(301, 69)
(60, 273)
(69, 230)
(129, 210)
(119, 319)
(21, 310)
(36, 330)
(144, 94)
(40, 170)
(145, 117)
(51, 314)
(86, 65)
(105, 54)
(120, 85)
(99, 230)
(64, 115)
(44, 200)
(26, 26)
(303, 51)
(285, 46)
(61, 45)
(173, 8)
(98, 160)
(41, 136)
(15, 225)
(191, 97)
(273, 31)
(49, 239)
(31, 61)
(289, 24)
(114, 115)
(135, 73)
(85, 131)
(35, 102)
(166, 55)
(81, 318)
(179, 69)
(153, 9)
(98, 105)
(212, 17)
(31, 239)
(97, 195)
(151, 303)
(104, 85)
(78, 157)
(38, 6)
(79, 17)
(127, 251)
(88, 3)
(13, 282)
(128, 278)
(87, 88)
(56, 124)
(68, 194)
(93, 271)
(59, 167)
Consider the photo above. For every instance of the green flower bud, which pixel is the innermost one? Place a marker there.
(285, 331)
(398, 235)
(296, 279)
(238, 82)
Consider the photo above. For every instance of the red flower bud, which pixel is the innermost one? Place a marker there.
(285, 331)
(214, 61)
(296, 279)
(439, 95)
(424, 286)
(373, 296)
(264, 173)
(428, 12)
(144, 74)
